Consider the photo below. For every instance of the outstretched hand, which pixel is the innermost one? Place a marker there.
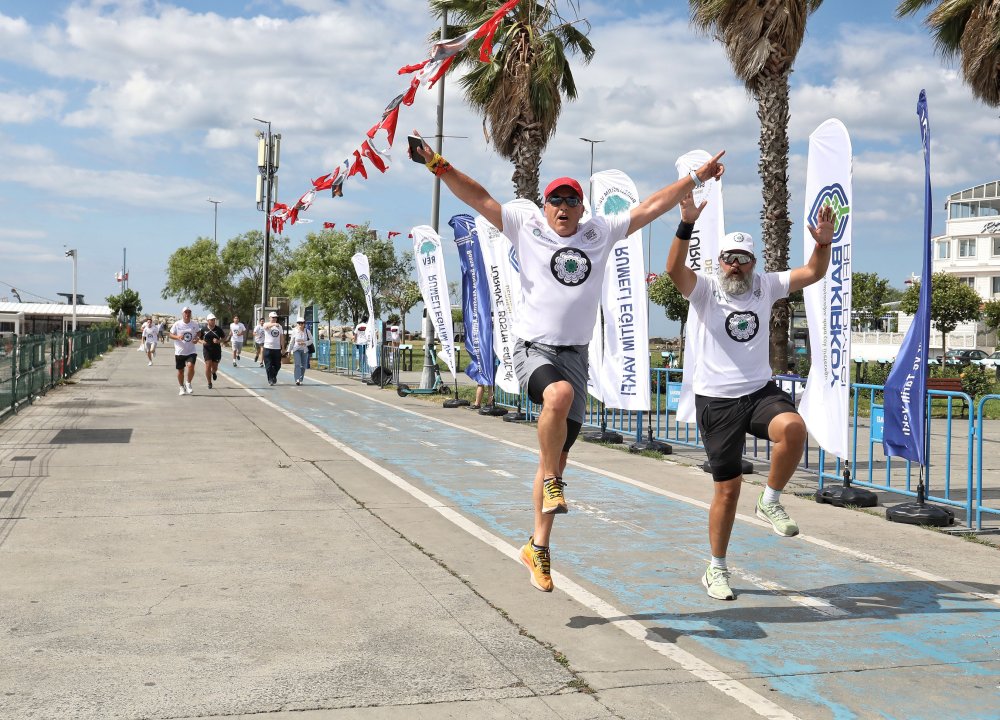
(822, 233)
(689, 211)
(712, 169)
(424, 150)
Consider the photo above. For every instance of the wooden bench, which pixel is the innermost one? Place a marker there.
(948, 385)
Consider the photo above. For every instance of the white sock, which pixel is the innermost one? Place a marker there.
(719, 562)
(771, 496)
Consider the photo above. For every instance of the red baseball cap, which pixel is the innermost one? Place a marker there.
(564, 182)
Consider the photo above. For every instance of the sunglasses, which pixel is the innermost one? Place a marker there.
(557, 200)
(736, 258)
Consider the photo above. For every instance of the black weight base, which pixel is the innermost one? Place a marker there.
(920, 514)
(653, 445)
(515, 417)
(747, 467)
(492, 411)
(839, 496)
(603, 436)
(455, 403)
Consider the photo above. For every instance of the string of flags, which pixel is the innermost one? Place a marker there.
(380, 137)
(352, 226)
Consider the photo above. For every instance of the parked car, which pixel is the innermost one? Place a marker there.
(992, 361)
(961, 357)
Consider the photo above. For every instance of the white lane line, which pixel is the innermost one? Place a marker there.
(691, 663)
(351, 412)
(477, 463)
(954, 585)
(502, 473)
(387, 427)
(331, 404)
(427, 443)
(812, 603)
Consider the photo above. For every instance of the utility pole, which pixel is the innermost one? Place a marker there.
(592, 143)
(268, 152)
(216, 232)
(72, 254)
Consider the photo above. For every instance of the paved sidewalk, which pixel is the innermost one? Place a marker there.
(338, 553)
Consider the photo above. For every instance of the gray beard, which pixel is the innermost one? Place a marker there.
(735, 285)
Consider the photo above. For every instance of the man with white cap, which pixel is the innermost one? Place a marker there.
(212, 337)
(734, 392)
(562, 263)
(274, 346)
(184, 333)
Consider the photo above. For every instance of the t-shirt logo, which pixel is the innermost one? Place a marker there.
(742, 326)
(275, 332)
(570, 266)
(187, 336)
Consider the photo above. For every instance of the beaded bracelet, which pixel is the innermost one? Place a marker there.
(438, 165)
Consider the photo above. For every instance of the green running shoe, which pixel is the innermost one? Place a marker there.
(716, 581)
(775, 514)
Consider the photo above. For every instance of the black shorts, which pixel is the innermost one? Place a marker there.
(212, 352)
(181, 360)
(725, 422)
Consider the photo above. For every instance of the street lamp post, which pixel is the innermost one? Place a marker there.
(216, 233)
(72, 254)
(592, 143)
(268, 152)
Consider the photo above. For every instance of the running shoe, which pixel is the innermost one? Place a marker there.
(716, 581)
(209, 384)
(215, 376)
(553, 500)
(298, 382)
(180, 391)
(187, 388)
(234, 363)
(150, 363)
(775, 514)
(538, 564)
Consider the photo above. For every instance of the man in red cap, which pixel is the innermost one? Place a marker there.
(562, 262)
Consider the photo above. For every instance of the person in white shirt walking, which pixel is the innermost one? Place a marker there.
(184, 333)
(258, 342)
(150, 332)
(237, 334)
(734, 392)
(563, 260)
(300, 340)
(274, 347)
(360, 341)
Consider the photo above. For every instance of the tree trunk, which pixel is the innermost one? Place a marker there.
(772, 111)
(527, 158)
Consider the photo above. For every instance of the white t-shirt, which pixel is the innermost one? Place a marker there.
(361, 335)
(272, 336)
(237, 331)
(300, 339)
(561, 277)
(732, 354)
(150, 333)
(394, 333)
(189, 333)
(258, 333)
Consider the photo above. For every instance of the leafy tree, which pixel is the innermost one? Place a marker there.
(402, 293)
(762, 40)
(991, 314)
(971, 29)
(127, 302)
(869, 294)
(952, 302)
(521, 90)
(323, 272)
(664, 293)
(227, 282)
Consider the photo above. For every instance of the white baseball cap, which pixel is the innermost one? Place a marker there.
(187, 309)
(210, 317)
(273, 314)
(737, 242)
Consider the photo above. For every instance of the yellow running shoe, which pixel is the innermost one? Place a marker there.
(537, 562)
(553, 500)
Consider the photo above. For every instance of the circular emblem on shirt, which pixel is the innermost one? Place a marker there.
(275, 332)
(187, 336)
(536, 232)
(570, 266)
(742, 326)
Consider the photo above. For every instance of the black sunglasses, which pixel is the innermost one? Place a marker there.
(736, 258)
(557, 200)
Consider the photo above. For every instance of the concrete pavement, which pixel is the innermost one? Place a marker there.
(333, 551)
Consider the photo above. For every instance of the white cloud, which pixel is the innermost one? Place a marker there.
(29, 107)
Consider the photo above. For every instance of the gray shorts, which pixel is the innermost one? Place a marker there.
(565, 362)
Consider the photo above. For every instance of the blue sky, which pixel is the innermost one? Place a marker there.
(120, 118)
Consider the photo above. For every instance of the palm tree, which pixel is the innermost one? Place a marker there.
(970, 28)
(762, 38)
(520, 92)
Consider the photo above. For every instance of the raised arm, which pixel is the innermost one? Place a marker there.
(815, 269)
(461, 185)
(682, 275)
(665, 198)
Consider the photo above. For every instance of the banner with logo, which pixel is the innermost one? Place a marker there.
(504, 278)
(906, 386)
(826, 396)
(624, 374)
(434, 288)
(361, 267)
(702, 253)
(475, 301)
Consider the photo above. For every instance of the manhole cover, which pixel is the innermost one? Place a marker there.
(78, 437)
(22, 458)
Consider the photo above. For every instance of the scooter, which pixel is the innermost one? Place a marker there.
(437, 388)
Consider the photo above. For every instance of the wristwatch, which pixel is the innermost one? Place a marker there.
(698, 182)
